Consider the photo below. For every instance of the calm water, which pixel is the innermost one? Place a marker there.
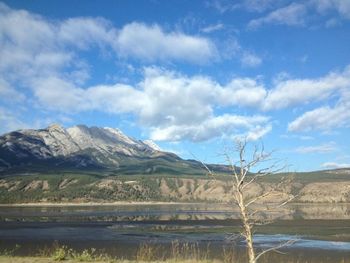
(318, 230)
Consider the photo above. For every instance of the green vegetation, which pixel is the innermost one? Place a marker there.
(178, 252)
(86, 186)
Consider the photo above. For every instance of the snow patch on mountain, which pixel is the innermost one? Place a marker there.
(152, 144)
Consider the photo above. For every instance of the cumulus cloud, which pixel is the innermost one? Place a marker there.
(323, 118)
(146, 42)
(334, 165)
(225, 125)
(292, 15)
(299, 92)
(243, 92)
(83, 32)
(31, 39)
(323, 148)
(292, 92)
(43, 56)
(257, 132)
(171, 105)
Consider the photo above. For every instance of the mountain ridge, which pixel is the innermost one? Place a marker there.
(88, 164)
(84, 147)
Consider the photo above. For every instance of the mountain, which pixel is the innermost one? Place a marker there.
(88, 148)
(84, 164)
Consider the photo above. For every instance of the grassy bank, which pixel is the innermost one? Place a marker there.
(6, 259)
(179, 252)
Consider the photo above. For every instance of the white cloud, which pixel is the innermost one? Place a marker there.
(222, 6)
(295, 136)
(323, 148)
(44, 56)
(323, 118)
(292, 15)
(29, 43)
(333, 22)
(152, 43)
(243, 92)
(231, 49)
(171, 105)
(334, 165)
(292, 92)
(250, 60)
(8, 93)
(259, 5)
(340, 6)
(301, 13)
(225, 125)
(213, 28)
(10, 122)
(84, 32)
(118, 98)
(58, 94)
(326, 118)
(258, 132)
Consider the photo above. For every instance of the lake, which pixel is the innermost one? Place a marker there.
(319, 231)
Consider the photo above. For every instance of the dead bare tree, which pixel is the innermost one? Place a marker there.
(263, 165)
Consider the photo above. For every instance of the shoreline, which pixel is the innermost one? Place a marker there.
(117, 203)
(125, 203)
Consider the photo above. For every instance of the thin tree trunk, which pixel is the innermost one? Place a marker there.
(247, 229)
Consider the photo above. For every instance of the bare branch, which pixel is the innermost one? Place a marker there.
(205, 166)
(284, 244)
(242, 178)
(254, 200)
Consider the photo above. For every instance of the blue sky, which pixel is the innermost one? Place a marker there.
(191, 75)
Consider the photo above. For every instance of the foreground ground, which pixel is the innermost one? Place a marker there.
(6, 259)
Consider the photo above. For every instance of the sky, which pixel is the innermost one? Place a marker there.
(193, 76)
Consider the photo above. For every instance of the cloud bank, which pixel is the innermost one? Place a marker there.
(40, 63)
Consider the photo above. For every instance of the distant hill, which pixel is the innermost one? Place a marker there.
(84, 164)
(332, 186)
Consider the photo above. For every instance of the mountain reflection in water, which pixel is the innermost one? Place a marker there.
(121, 229)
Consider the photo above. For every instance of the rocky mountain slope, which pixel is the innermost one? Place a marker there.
(82, 164)
(81, 147)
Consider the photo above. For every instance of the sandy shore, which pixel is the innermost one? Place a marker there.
(121, 203)
(118, 203)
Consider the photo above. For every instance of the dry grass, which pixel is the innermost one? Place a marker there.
(178, 252)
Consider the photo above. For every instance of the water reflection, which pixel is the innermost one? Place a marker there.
(166, 212)
(316, 226)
